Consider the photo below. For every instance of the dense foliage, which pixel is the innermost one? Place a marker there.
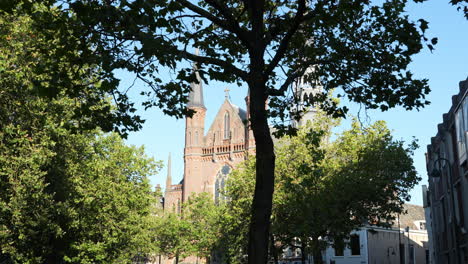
(69, 193)
(325, 189)
(194, 232)
(363, 48)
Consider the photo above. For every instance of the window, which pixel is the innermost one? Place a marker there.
(311, 99)
(220, 183)
(465, 113)
(226, 126)
(422, 225)
(189, 137)
(338, 246)
(355, 245)
(305, 100)
(460, 127)
(196, 138)
(461, 213)
(178, 206)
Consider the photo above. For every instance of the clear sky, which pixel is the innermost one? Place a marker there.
(445, 68)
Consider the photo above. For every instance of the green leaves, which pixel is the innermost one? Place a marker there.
(81, 198)
(360, 47)
(326, 189)
(196, 231)
(43, 52)
(69, 192)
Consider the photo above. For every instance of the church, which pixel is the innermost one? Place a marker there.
(210, 155)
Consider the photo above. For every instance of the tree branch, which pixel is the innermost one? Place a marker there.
(230, 24)
(290, 79)
(218, 62)
(286, 84)
(298, 19)
(230, 19)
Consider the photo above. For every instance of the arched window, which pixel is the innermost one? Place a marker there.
(220, 183)
(226, 126)
(305, 99)
(178, 206)
(189, 138)
(196, 138)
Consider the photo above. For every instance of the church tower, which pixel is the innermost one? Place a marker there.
(305, 91)
(169, 174)
(194, 136)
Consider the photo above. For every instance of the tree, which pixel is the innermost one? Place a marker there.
(84, 199)
(69, 192)
(195, 230)
(43, 61)
(357, 46)
(325, 190)
(236, 218)
(461, 5)
(172, 236)
(205, 218)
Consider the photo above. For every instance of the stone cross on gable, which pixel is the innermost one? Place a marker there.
(226, 91)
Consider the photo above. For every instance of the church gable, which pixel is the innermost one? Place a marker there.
(228, 125)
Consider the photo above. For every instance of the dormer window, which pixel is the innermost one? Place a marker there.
(226, 126)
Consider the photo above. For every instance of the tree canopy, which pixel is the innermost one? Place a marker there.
(324, 190)
(194, 232)
(360, 48)
(70, 193)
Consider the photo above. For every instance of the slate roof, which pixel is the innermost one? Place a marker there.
(413, 213)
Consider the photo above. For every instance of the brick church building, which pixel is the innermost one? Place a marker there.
(210, 154)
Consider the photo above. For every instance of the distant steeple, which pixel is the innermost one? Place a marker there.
(226, 93)
(196, 93)
(169, 176)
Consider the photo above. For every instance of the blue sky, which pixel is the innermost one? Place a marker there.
(444, 68)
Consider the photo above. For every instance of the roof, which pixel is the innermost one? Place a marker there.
(196, 94)
(241, 112)
(448, 117)
(411, 216)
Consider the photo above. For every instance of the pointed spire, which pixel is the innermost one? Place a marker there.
(196, 93)
(169, 176)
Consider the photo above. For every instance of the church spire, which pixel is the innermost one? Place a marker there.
(196, 93)
(169, 176)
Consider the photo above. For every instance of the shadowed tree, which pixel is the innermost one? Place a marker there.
(324, 190)
(359, 47)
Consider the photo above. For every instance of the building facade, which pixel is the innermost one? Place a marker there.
(209, 154)
(446, 197)
(406, 242)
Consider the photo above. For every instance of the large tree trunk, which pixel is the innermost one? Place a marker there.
(265, 157)
(265, 166)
